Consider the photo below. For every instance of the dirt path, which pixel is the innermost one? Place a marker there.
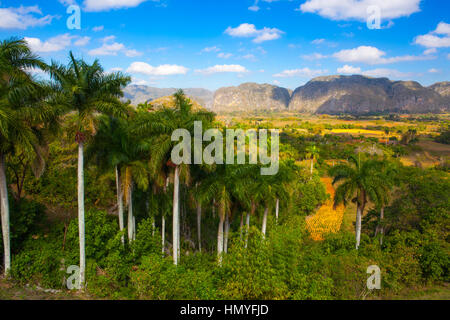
(9, 291)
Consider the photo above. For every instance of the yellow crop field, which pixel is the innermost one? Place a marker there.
(326, 219)
(357, 132)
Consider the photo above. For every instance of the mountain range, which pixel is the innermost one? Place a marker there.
(354, 94)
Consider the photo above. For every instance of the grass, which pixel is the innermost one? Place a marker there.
(9, 291)
(435, 292)
(426, 152)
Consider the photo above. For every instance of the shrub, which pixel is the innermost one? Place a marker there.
(249, 274)
(100, 229)
(24, 218)
(159, 279)
(40, 261)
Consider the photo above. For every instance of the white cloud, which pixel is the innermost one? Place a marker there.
(107, 49)
(433, 70)
(439, 38)
(432, 41)
(255, 6)
(276, 82)
(244, 30)
(318, 41)
(314, 56)
(139, 82)
(109, 38)
(23, 18)
(377, 73)
(430, 51)
(81, 42)
(443, 28)
(448, 56)
(372, 55)
(361, 54)
(224, 55)
(162, 70)
(98, 28)
(249, 57)
(247, 30)
(105, 5)
(305, 72)
(117, 69)
(357, 9)
(112, 48)
(226, 68)
(388, 73)
(57, 43)
(133, 53)
(67, 2)
(211, 49)
(349, 70)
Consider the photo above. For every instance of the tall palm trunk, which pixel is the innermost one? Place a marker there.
(227, 231)
(358, 225)
(120, 201)
(163, 222)
(381, 225)
(163, 233)
(176, 212)
(247, 229)
(220, 236)
(180, 222)
(81, 232)
(277, 209)
(134, 228)
(153, 226)
(264, 224)
(199, 226)
(5, 215)
(252, 212)
(147, 208)
(130, 214)
(241, 227)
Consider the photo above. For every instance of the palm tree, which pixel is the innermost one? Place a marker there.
(23, 112)
(220, 185)
(247, 193)
(158, 127)
(107, 151)
(389, 174)
(263, 189)
(312, 152)
(268, 190)
(86, 90)
(280, 184)
(136, 174)
(387, 131)
(361, 182)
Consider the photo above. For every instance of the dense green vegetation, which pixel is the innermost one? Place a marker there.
(143, 227)
(444, 137)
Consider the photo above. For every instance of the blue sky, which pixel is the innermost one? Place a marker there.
(215, 43)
